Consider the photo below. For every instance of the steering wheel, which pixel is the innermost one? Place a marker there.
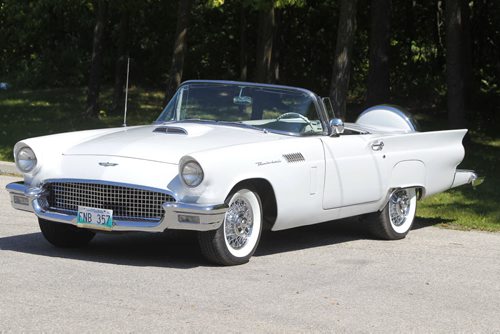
(296, 114)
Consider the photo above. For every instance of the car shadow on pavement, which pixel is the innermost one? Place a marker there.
(179, 249)
(324, 234)
(329, 233)
(132, 249)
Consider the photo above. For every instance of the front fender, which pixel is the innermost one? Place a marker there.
(297, 183)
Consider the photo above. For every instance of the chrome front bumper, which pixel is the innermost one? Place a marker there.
(178, 216)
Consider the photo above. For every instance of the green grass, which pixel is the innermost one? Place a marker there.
(30, 113)
(464, 207)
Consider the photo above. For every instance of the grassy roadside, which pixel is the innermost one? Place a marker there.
(30, 113)
(464, 207)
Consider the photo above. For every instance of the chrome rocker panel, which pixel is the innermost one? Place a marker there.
(178, 215)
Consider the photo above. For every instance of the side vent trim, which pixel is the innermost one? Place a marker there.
(171, 130)
(294, 157)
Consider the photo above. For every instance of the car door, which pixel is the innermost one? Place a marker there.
(352, 174)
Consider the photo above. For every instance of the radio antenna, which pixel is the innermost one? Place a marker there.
(126, 94)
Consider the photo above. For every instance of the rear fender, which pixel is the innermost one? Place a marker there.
(407, 174)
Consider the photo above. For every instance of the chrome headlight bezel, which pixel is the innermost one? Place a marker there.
(26, 160)
(191, 173)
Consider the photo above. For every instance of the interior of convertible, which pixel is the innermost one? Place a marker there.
(272, 108)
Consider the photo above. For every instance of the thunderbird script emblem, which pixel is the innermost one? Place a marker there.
(107, 164)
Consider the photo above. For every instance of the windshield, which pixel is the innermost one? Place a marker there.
(270, 108)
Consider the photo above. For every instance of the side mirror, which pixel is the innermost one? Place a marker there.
(337, 126)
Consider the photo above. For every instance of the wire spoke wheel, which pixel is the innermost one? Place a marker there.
(396, 219)
(399, 207)
(239, 223)
(237, 238)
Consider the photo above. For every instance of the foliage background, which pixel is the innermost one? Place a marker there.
(46, 54)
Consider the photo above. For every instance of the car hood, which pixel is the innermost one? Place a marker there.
(167, 143)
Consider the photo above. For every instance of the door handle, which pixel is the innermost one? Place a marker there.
(378, 145)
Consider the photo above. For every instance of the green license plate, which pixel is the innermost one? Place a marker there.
(101, 219)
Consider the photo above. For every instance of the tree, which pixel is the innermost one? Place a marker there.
(467, 53)
(454, 64)
(343, 54)
(243, 43)
(92, 108)
(265, 39)
(378, 88)
(180, 47)
(277, 45)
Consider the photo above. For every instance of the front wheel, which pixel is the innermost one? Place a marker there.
(64, 235)
(396, 219)
(235, 241)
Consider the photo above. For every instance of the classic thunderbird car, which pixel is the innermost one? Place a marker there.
(230, 159)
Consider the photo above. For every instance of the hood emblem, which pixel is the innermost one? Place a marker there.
(107, 164)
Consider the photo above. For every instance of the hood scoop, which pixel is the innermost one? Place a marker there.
(170, 130)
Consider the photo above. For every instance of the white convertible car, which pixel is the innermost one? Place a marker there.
(231, 159)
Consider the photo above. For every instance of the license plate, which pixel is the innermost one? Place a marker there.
(94, 218)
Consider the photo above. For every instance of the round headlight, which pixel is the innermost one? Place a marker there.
(26, 159)
(191, 173)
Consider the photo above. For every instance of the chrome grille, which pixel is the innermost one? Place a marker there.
(127, 203)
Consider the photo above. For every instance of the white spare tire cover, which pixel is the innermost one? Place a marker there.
(388, 117)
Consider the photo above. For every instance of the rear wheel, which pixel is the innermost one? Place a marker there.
(235, 241)
(64, 235)
(396, 219)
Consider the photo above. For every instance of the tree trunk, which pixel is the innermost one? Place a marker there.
(438, 31)
(410, 29)
(265, 44)
(378, 72)
(121, 62)
(92, 107)
(438, 23)
(277, 44)
(180, 46)
(454, 64)
(243, 44)
(467, 65)
(343, 54)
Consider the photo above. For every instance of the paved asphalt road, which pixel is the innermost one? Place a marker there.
(323, 278)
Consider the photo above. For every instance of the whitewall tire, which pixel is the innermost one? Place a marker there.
(238, 237)
(396, 219)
